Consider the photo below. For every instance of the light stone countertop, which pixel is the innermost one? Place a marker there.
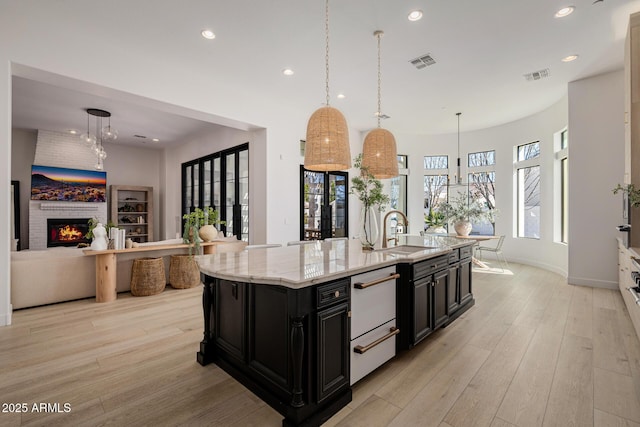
(313, 263)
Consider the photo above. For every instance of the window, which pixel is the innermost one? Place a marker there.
(482, 188)
(482, 158)
(561, 212)
(528, 190)
(436, 181)
(399, 190)
(436, 162)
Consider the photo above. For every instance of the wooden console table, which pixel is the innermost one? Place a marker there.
(106, 265)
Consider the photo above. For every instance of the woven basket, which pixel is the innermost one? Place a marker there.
(147, 277)
(183, 272)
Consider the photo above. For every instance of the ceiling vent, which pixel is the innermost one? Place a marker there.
(422, 61)
(537, 75)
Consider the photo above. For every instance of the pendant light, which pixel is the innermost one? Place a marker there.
(95, 142)
(379, 153)
(458, 178)
(327, 144)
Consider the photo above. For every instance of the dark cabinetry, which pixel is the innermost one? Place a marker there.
(431, 294)
(289, 346)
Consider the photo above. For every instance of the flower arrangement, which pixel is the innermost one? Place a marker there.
(463, 208)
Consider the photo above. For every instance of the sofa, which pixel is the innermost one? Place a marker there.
(40, 277)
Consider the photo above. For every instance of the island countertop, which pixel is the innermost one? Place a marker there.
(312, 263)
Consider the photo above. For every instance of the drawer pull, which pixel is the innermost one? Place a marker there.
(375, 282)
(336, 294)
(363, 349)
(635, 296)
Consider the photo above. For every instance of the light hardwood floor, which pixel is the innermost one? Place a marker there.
(533, 351)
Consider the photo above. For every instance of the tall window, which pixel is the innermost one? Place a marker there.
(482, 187)
(399, 189)
(528, 185)
(436, 177)
(562, 171)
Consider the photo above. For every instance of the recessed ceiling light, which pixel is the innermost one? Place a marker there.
(73, 131)
(208, 34)
(155, 140)
(288, 72)
(341, 96)
(569, 58)
(415, 15)
(565, 11)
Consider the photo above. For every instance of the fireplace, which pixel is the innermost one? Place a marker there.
(67, 231)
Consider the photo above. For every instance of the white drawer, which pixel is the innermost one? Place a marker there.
(363, 364)
(374, 305)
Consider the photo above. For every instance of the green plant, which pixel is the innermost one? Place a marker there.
(435, 219)
(196, 219)
(464, 208)
(367, 188)
(92, 224)
(633, 195)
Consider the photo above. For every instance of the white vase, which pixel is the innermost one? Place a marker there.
(208, 233)
(436, 230)
(463, 228)
(369, 229)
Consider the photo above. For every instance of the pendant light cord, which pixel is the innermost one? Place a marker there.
(326, 53)
(379, 35)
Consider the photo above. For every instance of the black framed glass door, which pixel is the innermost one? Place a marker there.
(324, 209)
(220, 180)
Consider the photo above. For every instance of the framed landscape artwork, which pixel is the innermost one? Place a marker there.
(69, 185)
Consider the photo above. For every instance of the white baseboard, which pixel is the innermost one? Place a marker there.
(544, 266)
(582, 281)
(5, 318)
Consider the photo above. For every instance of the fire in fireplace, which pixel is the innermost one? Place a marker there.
(67, 231)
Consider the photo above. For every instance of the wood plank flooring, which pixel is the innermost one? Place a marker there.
(533, 351)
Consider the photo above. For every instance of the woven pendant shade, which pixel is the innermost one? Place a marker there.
(327, 145)
(379, 154)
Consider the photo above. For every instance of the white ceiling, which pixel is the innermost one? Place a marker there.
(482, 51)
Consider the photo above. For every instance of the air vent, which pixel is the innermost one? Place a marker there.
(140, 136)
(422, 61)
(537, 75)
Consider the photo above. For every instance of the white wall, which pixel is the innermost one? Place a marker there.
(543, 252)
(23, 151)
(596, 165)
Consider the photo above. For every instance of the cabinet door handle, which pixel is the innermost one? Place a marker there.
(363, 349)
(375, 282)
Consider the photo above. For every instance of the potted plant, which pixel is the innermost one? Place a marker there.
(369, 191)
(209, 223)
(435, 221)
(462, 210)
(191, 227)
(630, 192)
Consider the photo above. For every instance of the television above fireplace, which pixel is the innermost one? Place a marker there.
(72, 185)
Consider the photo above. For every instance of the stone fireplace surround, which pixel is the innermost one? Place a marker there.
(64, 151)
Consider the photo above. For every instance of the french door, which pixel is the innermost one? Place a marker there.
(324, 210)
(220, 180)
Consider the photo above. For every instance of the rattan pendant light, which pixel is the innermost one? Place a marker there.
(379, 153)
(327, 144)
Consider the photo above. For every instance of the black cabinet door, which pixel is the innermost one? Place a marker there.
(333, 340)
(422, 316)
(464, 273)
(440, 288)
(230, 330)
(454, 289)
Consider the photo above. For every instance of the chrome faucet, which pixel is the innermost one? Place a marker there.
(384, 225)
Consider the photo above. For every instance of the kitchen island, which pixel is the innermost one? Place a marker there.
(281, 320)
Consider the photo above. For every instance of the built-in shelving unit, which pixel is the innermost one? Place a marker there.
(132, 209)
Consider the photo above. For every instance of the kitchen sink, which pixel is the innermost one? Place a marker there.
(405, 249)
